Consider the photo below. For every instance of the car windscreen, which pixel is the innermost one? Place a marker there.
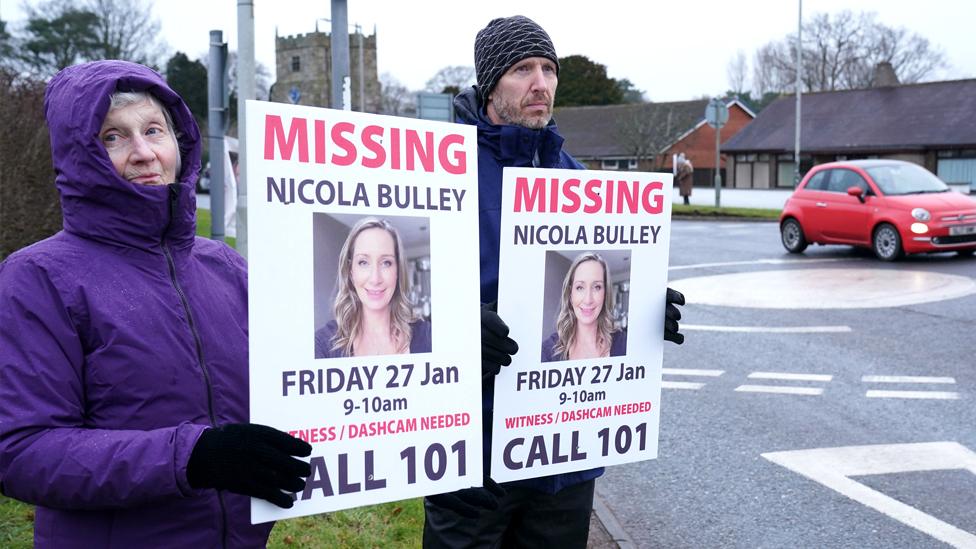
(894, 179)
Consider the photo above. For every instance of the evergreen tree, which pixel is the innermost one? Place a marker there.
(584, 82)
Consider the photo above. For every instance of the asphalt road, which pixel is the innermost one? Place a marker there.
(735, 465)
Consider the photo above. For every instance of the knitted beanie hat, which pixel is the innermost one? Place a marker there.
(504, 42)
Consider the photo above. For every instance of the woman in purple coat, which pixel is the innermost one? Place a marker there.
(584, 327)
(123, 339)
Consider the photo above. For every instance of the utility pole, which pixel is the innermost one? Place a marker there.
(216, 126)
(245, 91)
(362, 70)
(340, 53)
(717, 114)
(799, 93)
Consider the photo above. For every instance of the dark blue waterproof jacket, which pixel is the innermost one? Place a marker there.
(500, 147)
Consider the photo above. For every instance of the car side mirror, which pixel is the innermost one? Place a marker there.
(856, 191)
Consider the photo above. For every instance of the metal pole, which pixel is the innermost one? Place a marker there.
(718, 167)
(799, 93)
(340, 52)
(362, 71)
(245, 91)
(215, 132)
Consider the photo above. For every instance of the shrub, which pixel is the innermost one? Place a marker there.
(29, 206)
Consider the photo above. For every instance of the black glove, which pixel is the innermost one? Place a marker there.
(253, 460)
(672, 315)
(496, 347)
(471, 501)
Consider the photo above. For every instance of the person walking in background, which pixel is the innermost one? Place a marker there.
(123, 339)
(511, 105)
(685, 176)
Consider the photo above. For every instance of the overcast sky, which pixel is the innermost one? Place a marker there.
(670, 50)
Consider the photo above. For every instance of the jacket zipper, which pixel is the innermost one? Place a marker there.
(196, 339)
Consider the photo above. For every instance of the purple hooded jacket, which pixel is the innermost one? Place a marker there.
(122, 338)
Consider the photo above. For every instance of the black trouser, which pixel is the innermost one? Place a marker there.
(525, 518)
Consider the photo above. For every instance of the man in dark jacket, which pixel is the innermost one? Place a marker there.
(517, 70)
(123, 339)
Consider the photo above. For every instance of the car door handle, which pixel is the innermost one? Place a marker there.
(821, 204)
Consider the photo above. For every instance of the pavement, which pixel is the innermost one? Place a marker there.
(772, 199)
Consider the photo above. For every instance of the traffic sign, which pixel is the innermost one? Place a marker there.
(716, 113)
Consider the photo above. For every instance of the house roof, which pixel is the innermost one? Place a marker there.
(907, 117)
(609, 130)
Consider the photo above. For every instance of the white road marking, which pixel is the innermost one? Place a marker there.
(907, 379)
(681, 385)
(832, 468)
(824, 288)
(753, 262)
(768, 329)
(790, 377)
(691, 372)
(810, 391)
(934, 395)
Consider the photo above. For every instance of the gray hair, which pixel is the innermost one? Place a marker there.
(121, 99)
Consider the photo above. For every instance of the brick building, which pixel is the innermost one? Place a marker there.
(645, 136)
(304, 70)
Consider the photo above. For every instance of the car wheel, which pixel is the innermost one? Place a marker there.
(887, 243)
(792, 235)
(966, 253)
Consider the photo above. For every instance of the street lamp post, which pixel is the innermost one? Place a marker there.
(340, 53)
(799, 93)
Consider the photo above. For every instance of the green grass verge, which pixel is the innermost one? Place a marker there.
(389, 525)
(712, 211)
(395, 525)
(16, 524)
(203, 227)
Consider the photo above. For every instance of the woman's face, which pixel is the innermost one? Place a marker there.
(586, 295)
(374, 268)
(140, 144)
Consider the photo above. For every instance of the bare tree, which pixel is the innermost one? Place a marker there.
(911, 55)
(451, 79)
(647, 129)
(395, 99)
(737, 72)
(841, 52)
(127, 29)
(764, 69)
(59, 33)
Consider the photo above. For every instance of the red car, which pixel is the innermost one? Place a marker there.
(891, 206)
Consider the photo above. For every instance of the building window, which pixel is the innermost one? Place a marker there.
(619, 164)
(296, 63)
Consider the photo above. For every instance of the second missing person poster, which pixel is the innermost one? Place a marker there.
(582, 286)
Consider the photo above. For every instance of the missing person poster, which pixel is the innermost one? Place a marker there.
(363, 289)
(582, 285)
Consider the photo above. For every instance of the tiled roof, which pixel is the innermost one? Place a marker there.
(907, 117)
(604, 131)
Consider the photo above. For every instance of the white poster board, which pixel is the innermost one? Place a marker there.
(403, 421)
(554, 412)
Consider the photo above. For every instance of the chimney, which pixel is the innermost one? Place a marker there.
(884, 76)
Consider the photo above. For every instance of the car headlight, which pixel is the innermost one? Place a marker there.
(921, 214)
